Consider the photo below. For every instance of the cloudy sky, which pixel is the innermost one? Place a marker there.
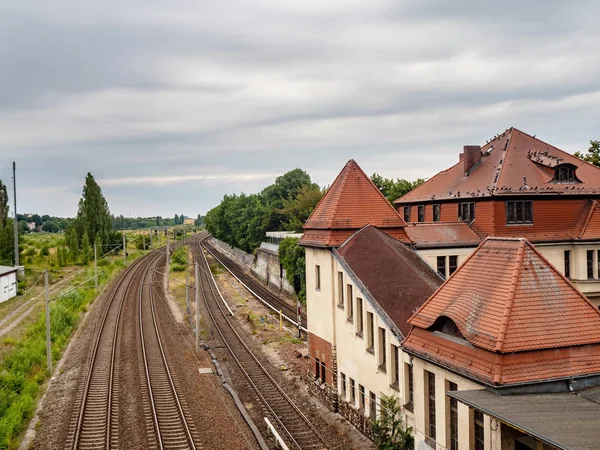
(172, 104)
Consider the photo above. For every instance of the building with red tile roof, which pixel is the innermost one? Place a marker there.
(350, 203)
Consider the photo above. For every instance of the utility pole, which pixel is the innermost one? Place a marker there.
(197, 307)
(187, 281)
(168, 261)
(151, 234)
(95, 268)
(48, 343)
(15, 224)
(124, 250)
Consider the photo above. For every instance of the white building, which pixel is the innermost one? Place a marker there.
(8, 283)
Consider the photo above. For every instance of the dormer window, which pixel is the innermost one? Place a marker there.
(565, 173)
(445, 327)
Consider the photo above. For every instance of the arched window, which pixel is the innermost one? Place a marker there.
(446, 325)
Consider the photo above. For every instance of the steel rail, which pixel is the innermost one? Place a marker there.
(268, 304)
(212, 287)
(128, 275)
(149, 380)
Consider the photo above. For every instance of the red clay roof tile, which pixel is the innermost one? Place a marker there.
(351, 202)
(590, 228)
(514, 163)
(446, 233)
(396, 277)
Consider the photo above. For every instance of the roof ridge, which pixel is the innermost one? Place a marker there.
(503, 159)
(586, 222)
(556, 271)
(380, 193)
(343, 171)
(518, 264)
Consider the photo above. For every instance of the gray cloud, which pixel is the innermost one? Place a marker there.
(172, 105)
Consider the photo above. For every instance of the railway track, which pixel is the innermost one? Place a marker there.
(292, 425)
(256, 288)
(95, 423)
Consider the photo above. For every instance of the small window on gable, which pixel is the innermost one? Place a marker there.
(565, 173)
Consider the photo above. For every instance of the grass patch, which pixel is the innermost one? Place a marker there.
(291, 339)
(216, 269)
(23, 370)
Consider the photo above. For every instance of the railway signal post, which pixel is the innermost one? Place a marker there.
(48, 343)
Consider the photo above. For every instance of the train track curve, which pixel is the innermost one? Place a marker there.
(294, 427)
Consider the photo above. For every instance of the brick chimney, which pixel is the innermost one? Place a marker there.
(471, 156)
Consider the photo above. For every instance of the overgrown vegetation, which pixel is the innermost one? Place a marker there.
(242, 220)
(23, 370)
(389, 432)
(593, 154)
(292, 258)
(6, 229)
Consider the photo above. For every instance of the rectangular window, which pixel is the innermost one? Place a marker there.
(430, 404)
(436, 212)
(453, 407)
(370, 333)
(441, 266)
(340, 289)
(409, 386)
(350, 300)
(598, 259)
(478, 427)
(359, 316)
(352, 392)
(317, 277)
(452, 264)
(590, 264)
(372, 405)
(382, 350)
(407, 214)
(343, 384)
(317, 368)
(361, 397)
(421, 213)
(395, 366)
(519, 211)
(466, 211)
(323, 371)
(567, 257)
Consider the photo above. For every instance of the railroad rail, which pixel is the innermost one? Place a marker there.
(94, 424)
(265, 296)
(171, 418)
(291, 423)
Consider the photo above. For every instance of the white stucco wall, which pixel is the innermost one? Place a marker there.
(430, 255)
(319, 308)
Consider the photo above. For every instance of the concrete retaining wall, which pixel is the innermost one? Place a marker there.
(265, 265)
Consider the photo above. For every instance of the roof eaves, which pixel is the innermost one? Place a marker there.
(368, 296)
(586, 222)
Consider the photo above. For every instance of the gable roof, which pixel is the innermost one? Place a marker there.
(350, 203)
(513, 163)
(446, 234)
(395, 276)
(514, 311)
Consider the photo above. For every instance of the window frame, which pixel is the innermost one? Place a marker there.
(395, 370)
(343, 384)
(350, 302)
(478, 430)
(317, 277)
(442, 266)
(406, 213)
(567, 263)
(359, 317)
(452, 264)
(516, 208)
(382, 350)
(370, 332)
(452, 431)
(421, 213)
(466, 212)
(323, 372)
(430, 412)
(437, 211)
(352, 391)
(361, 397)
(340, 289)
(590, 264)
(565, 173)
(372, 405)
(410, 386)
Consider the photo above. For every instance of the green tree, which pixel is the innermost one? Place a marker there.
(7, 237)
(298, 209)
(93, 216)
(293, 259)
(592, 155)
(389, 431)
(393, 190)
(85, 250)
